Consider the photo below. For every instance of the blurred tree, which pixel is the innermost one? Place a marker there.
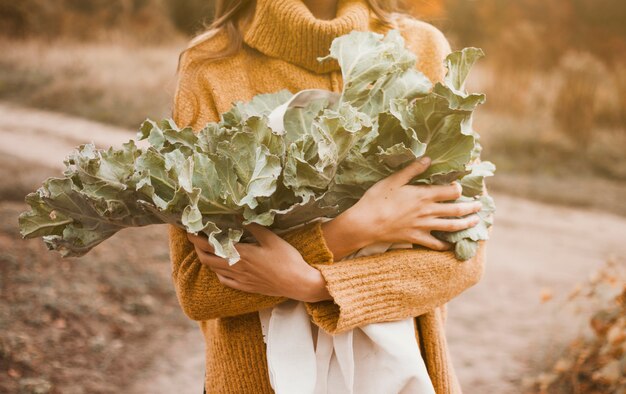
(18, 18)
(595, 26)
(600, 25)
(85, 19)
(190, 16)
(530, 32)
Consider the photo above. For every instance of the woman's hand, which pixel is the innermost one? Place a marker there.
(395, 212)
(272, 267)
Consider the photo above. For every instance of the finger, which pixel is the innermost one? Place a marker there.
(230, 282)
(433, 243)
(403, 176)
(212, 261)
(456, 209)
(229, 273)
(201, 242)
(263, 235)
(240, 277)
(246, 250)
(443, 192)
(233, 284)
(451, 225)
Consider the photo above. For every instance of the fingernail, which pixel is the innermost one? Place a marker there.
(424, 160)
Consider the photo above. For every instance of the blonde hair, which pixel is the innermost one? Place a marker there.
(228, 12)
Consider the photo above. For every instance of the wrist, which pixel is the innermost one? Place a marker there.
(314, 288)
(347, 233)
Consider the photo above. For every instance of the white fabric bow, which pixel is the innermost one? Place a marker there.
(376, 358)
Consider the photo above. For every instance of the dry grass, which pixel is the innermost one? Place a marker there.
(143, 20)
(117, 83)
(619, 74)
(548, 167)
(536, 146)
(87, 325)
(556, 136)
(575, 104)
(574, 158)
(594, 363)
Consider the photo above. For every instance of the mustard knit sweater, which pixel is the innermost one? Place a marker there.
(282, 43)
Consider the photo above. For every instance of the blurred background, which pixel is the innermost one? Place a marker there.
(549, 315)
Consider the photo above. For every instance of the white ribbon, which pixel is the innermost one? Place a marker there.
(376, 358)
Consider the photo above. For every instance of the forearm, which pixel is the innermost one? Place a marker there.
(200, 293)
(344, 235)
(392, 286)
(203, 296)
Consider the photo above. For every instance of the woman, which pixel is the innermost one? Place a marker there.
(270, 45)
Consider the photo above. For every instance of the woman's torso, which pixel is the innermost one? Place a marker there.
(235, 353)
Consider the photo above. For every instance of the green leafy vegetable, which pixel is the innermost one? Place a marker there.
(279, 160)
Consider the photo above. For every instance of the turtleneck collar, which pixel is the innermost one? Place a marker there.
(287, 29)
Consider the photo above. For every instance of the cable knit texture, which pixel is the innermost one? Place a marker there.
(297, 29)
(282, 43)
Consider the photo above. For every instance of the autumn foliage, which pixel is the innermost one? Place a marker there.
(597, 364)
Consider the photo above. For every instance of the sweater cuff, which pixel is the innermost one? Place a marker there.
(309, 241)
(362, 292)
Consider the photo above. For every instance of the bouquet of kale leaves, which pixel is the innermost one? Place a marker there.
(280, 160)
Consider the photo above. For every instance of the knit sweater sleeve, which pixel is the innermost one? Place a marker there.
(200, 293)
(202, 296)
(392, 286)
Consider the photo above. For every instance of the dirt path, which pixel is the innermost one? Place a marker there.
(180, 370)
(46, 137)
(497, 330)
